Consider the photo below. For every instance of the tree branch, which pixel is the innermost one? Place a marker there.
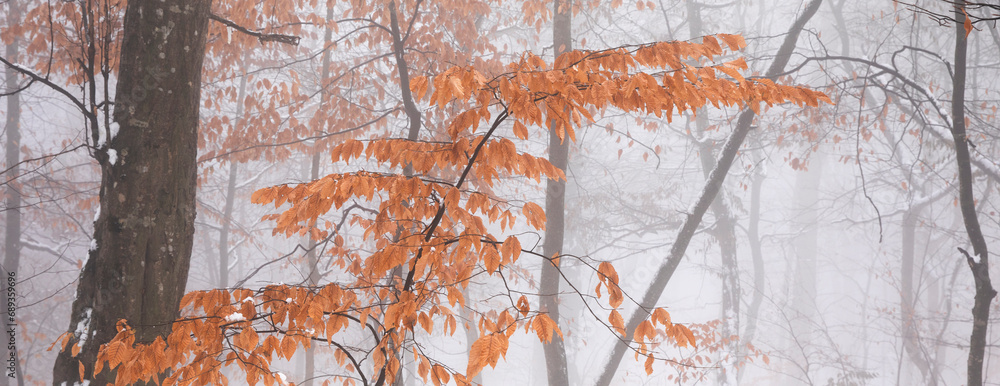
(263, 37)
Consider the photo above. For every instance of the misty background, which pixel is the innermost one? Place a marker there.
(839, 225)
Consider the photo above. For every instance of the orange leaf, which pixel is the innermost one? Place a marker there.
(544, 326)
(247, 340)
(439, 375)
(661, 316)
(520, 130)
(288, 346)
(644, 330)
(617, 322)
(523, 306)
(535, 215)
(486, 351)
(511, 249)
(968, 23)
(423, 368)
(735, 42)
(426, 322)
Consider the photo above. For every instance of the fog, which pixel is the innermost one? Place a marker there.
(835, 251)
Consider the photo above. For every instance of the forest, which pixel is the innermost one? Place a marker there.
(496, 192)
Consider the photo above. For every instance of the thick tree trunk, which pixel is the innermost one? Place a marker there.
(555, 212)
(980, 258)
(139, 262)
(711, 189)
(12, 199)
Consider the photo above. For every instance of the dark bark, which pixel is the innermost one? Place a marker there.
(711, 189)
(145, 229)
(403, 70)
(413, 133)
(555, 212)
(979, 260)
(12, 199)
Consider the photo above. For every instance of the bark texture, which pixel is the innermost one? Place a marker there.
(980, 258)
(138, 268)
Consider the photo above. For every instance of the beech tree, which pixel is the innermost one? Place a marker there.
(142, 237)
(408, 146)
(434, 223)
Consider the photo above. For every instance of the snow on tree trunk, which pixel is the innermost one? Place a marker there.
(144, 233)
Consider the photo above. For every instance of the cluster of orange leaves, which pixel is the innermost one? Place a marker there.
(429, 226)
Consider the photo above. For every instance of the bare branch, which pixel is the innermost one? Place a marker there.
(263, 37)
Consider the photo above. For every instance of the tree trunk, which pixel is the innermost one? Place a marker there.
(311, 257)
(724, 233)
(911, 336)
(227, 219)
(979, 260)
(709, 192)
(12, 199)
(555, 212)
(753, 238)
(139, 263)
(471, 334)
(227, 215)
(415, 119)
(806, 243)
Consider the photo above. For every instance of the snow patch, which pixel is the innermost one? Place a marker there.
(93, 245)
(112, 156)
(249, 299)
(235, 317)
(288, 300)
(113, 128)
(282, 378)
(83, 327)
